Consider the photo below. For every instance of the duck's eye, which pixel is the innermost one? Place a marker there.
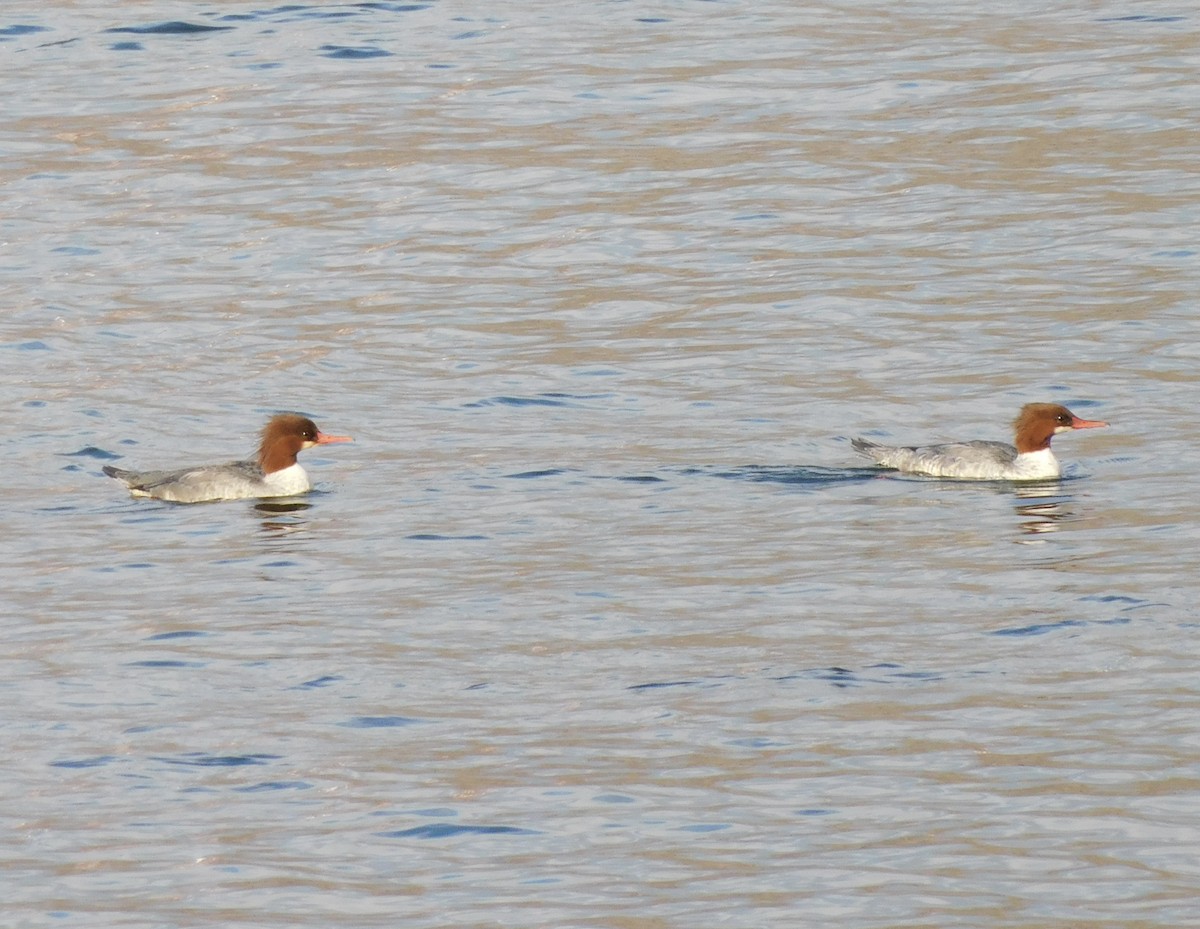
(1064, 419)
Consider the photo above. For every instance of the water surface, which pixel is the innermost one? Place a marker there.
(600, 622)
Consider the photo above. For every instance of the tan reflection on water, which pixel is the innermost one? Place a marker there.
(623, 252)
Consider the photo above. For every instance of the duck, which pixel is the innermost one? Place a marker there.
(1028, 459)
(273, 472)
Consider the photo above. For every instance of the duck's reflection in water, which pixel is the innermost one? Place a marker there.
(1042, 506)
(282, 515)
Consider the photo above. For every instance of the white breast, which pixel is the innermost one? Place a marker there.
(288, 482)
(1036, 466)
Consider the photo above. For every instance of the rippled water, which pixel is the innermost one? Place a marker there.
(600, 622)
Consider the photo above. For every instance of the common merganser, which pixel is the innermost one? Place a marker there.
(273, 473)
(1030, 460)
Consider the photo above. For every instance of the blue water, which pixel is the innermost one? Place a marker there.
(600, 621)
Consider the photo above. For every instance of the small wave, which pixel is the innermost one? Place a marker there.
(449, 830)
(175, 27)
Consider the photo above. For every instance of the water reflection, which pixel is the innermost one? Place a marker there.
(271, 507)
(276, 515)
(1038, 489)
(1050, 509)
